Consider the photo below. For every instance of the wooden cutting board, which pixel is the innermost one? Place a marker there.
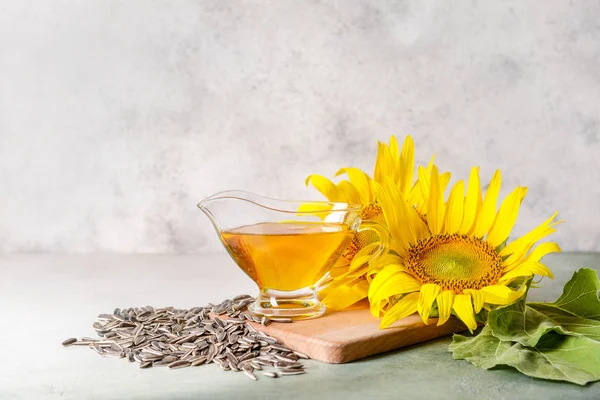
(343, 336)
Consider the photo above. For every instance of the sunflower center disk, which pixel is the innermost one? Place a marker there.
(454, 262)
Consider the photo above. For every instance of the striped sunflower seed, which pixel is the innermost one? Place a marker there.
(69, 341)
(180, 338)
(295, 372)
(250, 375)
(179, 364)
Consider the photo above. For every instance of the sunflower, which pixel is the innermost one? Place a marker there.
(351, 275)
(456, 258)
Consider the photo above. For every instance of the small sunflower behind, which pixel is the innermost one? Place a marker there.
(350, 277)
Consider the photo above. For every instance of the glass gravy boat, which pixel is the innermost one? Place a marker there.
(286, 247)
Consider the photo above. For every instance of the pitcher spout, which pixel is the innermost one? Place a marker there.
(229, 205)
(204, 206)
(211, 204)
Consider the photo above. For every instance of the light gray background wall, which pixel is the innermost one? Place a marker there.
(116, 117)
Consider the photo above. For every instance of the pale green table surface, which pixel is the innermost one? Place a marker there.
(45, 299)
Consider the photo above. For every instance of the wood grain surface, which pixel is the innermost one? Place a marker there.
(343, 336)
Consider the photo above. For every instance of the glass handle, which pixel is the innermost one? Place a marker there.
(384, 238)
(382, 250)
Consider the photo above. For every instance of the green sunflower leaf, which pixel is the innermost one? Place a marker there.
(579, 297)
(481, 350)
(575, 313)
(557, 341)
(555, 357)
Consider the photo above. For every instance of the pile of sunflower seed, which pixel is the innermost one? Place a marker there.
(179, 338)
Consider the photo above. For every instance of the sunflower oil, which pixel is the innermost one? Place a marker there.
(286, 256)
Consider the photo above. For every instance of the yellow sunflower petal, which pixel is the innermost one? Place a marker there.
(415, 197)
(403, 308)
(526, 269)
(517, 245)
(318, 209)
(517, 249)
(472, 202)
(429, 292)
(349, 191)
(381, 169)
(381, 262)
(464, 310)
(326, 187)
(517, 258)
(444, 180)
(388, 206)
(394, 158)
(454, 208)
(346, 295)
(383, 275)
(487, 214)
(398, 283)
(360, 181)
(430, 165)
(411, 225)
(445, 301)
(535, 255)
(501, 295)
(387, 163)
(360, 262)
(478, 299)
(419, 194)
(435, 212)
(394, 213)
(506, 218)
(407, 164)
(378, 308)
(542, 250)
(424, 186)
(394, 148)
